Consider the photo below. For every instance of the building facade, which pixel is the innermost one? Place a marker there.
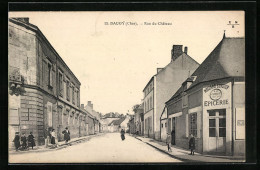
(211, 103)
(44, 94)
(162, 86)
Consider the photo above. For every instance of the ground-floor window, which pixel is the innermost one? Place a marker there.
(217, 123)
(193, 124)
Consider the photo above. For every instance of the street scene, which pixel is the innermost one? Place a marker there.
(126, 87)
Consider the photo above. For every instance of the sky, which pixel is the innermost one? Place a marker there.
(115, 62)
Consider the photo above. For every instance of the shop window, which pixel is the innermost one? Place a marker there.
(222, 112)
(212, 113)
(193, 124)
(222, 127)
(212, 127)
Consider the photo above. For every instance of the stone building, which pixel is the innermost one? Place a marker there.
(211, 103)
(44, 93)
(162, 86)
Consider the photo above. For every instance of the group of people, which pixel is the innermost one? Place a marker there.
(191, 143)
(24, 142)
(66, 134)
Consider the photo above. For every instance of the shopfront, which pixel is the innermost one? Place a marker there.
(217, 118)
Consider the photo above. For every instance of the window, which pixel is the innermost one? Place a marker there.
(162, 125)
(151, 103)
(212, 127)
(49, 111)
(165, 125)
(73, 94)
(68, 90)
(217, 123)
(193, 124)
(61, 84)
(49, 75)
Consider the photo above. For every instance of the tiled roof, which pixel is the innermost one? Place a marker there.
(117, 122)
(226, 60)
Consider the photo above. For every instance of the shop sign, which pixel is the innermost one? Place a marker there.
(217, 95)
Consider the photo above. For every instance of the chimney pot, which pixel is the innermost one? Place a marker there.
(185, 50)
(82, 106)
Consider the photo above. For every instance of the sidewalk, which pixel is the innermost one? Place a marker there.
(183, 155)
(61, 145)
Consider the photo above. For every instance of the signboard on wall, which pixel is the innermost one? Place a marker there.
(217, 96)
(240, 123)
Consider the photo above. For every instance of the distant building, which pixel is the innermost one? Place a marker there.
(211, 103)
(115, 125)
(162, 86)
(139, 119)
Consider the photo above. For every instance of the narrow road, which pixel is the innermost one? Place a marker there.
(108, 148)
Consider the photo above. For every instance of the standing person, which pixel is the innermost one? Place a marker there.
(53, 135)
(31, 142)
(16, 141)
(24, 141)
(192, 144)
(168, 142)
(66, 133)
(122, 134)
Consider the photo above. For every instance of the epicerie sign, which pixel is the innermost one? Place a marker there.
(216, 95)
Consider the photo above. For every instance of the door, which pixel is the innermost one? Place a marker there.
(173, 131)
(217, 131)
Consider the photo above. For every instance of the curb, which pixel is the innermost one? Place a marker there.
(61, 146)
(183, 159)
(175, 157)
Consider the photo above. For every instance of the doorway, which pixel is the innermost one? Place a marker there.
(173, 131)
(217, 131)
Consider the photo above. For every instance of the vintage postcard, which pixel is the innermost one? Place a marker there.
(126, 87)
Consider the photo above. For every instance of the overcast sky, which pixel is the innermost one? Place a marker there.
(115, 62)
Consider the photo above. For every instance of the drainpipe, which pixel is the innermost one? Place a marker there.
(232, 117)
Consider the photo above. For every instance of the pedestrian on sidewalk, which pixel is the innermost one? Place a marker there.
(168, 142)
(66, 133)
(31, 142)
(24, 142)
(17, 141)
(122, 134)
(192, 144)
(53, 135)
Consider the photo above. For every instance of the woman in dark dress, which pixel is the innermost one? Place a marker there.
(16, 141)
(53, 137)
(192, 144)
(24, 141)
(122, 134)
(31, 142)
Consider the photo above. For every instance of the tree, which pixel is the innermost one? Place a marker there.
(135, 107)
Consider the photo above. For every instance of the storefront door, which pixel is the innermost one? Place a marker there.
(217, 131)
(173, 131)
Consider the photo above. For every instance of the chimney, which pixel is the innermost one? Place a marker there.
(159, 69)
(26, 20)
(176, 51)
(90, 104)
(185, 50)
(82, 106)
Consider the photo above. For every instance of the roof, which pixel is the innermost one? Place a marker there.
(37, 30)
(226, 60)
(117, 122)
(183, 54)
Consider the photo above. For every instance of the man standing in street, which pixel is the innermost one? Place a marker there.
(66, 133)
(168, 142)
